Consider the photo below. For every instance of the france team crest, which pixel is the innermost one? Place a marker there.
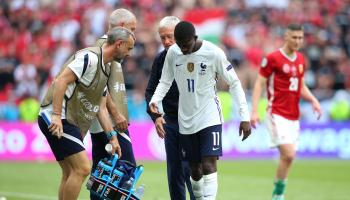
(190, 67)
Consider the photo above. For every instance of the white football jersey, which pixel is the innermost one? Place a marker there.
(196, 77)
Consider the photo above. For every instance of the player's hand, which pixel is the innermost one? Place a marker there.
(159, 127)
(316, 107)
(121, 123)
(254, 120)
(154, 109)
(115, 146)
(245, 129)
(56, 127)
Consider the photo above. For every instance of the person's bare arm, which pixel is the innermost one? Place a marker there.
(308, 96)
(259, 86)
(103, 118)
(60, 85)
(118, 118)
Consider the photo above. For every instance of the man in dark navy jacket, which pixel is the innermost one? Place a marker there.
(167, 126)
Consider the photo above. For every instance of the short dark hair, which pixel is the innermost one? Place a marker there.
(118, 33)
(295, 27)
(184, 31)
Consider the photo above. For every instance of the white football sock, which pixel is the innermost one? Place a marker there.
(197, 187)
(210, 186)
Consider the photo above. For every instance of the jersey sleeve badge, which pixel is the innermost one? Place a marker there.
(264, 62)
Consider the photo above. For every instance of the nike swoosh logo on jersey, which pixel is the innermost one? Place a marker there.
(215, 148)
(178, 65)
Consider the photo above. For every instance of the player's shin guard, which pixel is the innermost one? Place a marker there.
(210, 186)
(280, 186)
(197, 187)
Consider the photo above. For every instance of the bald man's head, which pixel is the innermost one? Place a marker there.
(124, 18)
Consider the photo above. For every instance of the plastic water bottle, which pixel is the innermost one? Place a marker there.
(109, 148)
(128, 184)
(140, 191)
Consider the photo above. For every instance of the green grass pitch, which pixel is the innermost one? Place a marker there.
(238, 180)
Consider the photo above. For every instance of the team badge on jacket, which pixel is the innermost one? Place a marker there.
(190, 67)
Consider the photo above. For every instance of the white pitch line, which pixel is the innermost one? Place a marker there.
(27, 196)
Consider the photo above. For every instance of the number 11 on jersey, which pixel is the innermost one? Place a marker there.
(190, 84)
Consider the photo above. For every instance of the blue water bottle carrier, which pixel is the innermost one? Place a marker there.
(115, 179)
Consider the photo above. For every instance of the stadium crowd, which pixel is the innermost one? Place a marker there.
(37, 36)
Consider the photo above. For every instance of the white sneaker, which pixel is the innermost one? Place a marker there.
(278, 197)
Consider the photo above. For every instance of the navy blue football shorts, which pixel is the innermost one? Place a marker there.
(71, 142)
(206, 142)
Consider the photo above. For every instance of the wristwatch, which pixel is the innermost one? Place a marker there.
(110, 134)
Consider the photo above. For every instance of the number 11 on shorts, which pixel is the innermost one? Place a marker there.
(216, 138)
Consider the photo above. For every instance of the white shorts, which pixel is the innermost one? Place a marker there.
(282, 130)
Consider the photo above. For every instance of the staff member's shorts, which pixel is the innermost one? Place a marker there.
(71, 142)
